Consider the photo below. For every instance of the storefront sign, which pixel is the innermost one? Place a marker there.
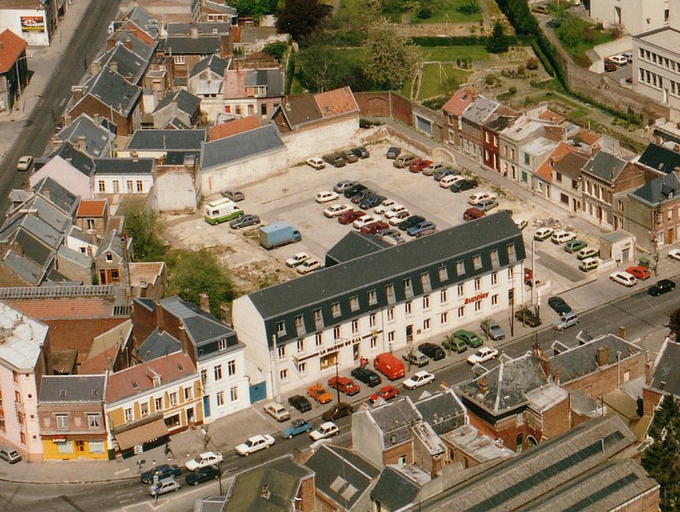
(32, 24)
(475, 298)
(58, 439)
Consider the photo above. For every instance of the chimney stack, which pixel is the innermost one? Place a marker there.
(194, 32)
(95, 67)
(77, 92)
(556, 377)
(81, 144)
(602, 356)
(204, 302)
(159, 318)
(544, 361)
(483, 386)
(114, 66)
(622, 332)
(128, 43)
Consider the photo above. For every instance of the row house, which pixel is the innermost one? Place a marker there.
(186, 52)
(111, 261)
(491, 143)
(388, 300)
(558, 178)
(523, 130)
(210, 10)
(138, 22)
(206, 81)
(71, 414)
(472, 120)
(249, 92)
(93, 136)
(453, 114)
(13, 69)
(148, 402)
(530, 156)
(24, 358)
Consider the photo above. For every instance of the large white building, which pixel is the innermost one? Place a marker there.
(635, 17)
(379, 299)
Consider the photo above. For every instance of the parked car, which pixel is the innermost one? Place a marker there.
(297, 259)
(343, 185)
(449, 180)
(203, 475)
(424, 228)
(326, 197)
(203, 460)
(640, 272)
(335, 210)
(244, 221)
(521, 223)
(543, 234)
(318, 393)
(25, 163)
(623, 278)
(393, 153)
(404, 161)
(234, 195)
(360, 152)
(316, 163)
(308, 266)
(491, 328)
(325, 430)
(350, 217)
(335, 159)
(478, 197)
(410, 221)
(392, 239)
(483, 355)
(296, 427)
(361, 195)
(393, 210)
(661, 287)
(386, 393)
(255, 444)
(619, 60)
(349, 157)
(575, 245)
(164, 486)
(559, 305)
(566, 320)
(628, 56)
(610, 65)
(344, 384)
(540, 9)
(375, 227)
(338, 411)
(674, 254)
(416, 359)
(367, 376)
(419, 379)
(432, 350)
(161, 471)
(589, 264)
(371, 201)
(419, 164)
(300, 403)
(528, 317)
(443, 172)
(487, 204)
(9, 455)
(397, 218)
(562, 237)
(463, 185)
(432, 168)
(458, 345)
(469, 337)
(384, 206)
(588, 252)
(277, 411)
(364, 220)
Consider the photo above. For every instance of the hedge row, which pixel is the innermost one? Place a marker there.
(431, 41)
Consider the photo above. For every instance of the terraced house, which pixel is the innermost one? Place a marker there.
(385, 299)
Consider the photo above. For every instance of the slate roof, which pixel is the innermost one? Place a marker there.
(184, 29)
(353, 245)
(300, 110)
(72, 388)
(395, 419)
(240, 147)
(26, 268)
(605, 167)
(180, 45)
(98, 140)
(130, 65)
(167, 140)
(659, 158)
(213, 63)
(657, 190)
(57, 195)
(11, 48)
(340, 474)
(143, 19)
(158, 344)
(23, 339)
(666, 369)
(177, 124)
(113, 91)
(138, 46)
(394, 489)
(272, 78)
(84, 163)
(571, 164)
(130, 166)
(112, 242)
(480, 110)
(442, 411)
(186, 102)
(499, 123)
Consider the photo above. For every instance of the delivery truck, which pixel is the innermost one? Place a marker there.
(278, 234)
(389, 366)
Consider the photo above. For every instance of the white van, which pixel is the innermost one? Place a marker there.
(449, 180)
(589, 264)
(222, 210)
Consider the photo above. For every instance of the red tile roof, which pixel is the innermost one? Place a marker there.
(91, 208)
(44, 309)
(139, 378)
(549, 115)
(233, 127)
(11, 48)
(459, 101)
(544, 170)
(336, 102)
(589, 138)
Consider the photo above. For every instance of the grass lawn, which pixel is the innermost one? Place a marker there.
(451, 53)
(437, 81)
(589, 36)
(453, 11)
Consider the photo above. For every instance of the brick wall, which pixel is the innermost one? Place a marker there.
(392, 455)
(79, 333)
(650, 400)
(610, 377)
(385, 104)
(557, 419)
(91, 106)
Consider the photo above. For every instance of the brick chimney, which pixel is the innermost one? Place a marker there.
(81, 144)
(622, 332)
(128, 43)
(159, 318)
(556, 377)
(602, 356)
(544, 361)
(77, 92)
(483, 386)
(113, 65)
(95, 67)
(204, 301)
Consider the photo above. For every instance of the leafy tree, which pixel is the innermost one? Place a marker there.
(147, 230)
(276, 50)
(674, 322)
(497, 43)
(301, 18)
(469, 7)
(255, 8)
(321, 68)
(391, 60)
(570, 32)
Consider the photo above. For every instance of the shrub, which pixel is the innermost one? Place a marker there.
(532, 63)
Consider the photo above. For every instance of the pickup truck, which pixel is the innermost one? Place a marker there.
(255, 444)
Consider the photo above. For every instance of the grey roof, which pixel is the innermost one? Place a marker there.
(28, 270)
(395, 419)
(138, 46)
(241, 146)
(72, 388)
(499, 123)
(59, 196)
(394, 490)
(97, 138)
(435, 256)
(124, 165)
(571, 165)
(76, 257)
(206, 28)
(442, 411)
(167, 140)
(272, 78)
(666, 370)
(657, 190)
(84, 163)
(205, 45)
(353, 245)
(186, 102)
(340, 474)
(214, 63)
(605, 166)
(659, 158)
(143, 19)
(113, 91)
(112, 242)
(130, 65)
(158, 344)
(299, 110)
(480, 110)
(177, 124)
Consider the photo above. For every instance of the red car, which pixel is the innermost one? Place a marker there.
(350, 216)
(419, 165)
(386, 393)
(344, 384)
(374, 227)
(639, 272)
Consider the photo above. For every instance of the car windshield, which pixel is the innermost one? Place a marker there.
(198, 459)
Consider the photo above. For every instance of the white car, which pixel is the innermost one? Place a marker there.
(325, 430)
(335, 210)
(399, 217)
(482, 355)
(449, 180)
(297, 259)
(316, 163)
(520, 223)
(384, 206)
(623, 278)
(255, 444)
(326, 196)
(25, 163)
(366, 219)
(308, 266)
(480, 196)
(674, 254)
(203, 460)
(393, 210)
(277, 411)
(619, 60)
(560, 236)
(419, 379)
(543, 234)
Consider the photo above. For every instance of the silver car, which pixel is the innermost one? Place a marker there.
(164, 486)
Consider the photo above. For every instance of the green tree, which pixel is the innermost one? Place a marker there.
(255, 8)
(147, 230)
(469, 7)
(191, 273)
(391, 60)
(301, 18)
(674, 322)
(276, 50)
(497, 43)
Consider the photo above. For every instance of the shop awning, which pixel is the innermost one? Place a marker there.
(142, 434)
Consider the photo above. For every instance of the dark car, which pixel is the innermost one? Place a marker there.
(353, 190)
(473, 213)
(372, 201)
(424, 228)
(460, 186)
(559, 305)
(446, 171)
(410, 221)
(351, 216)
(375, 227)
(368, 377)
(393, 153)
(360, 152)
(663, 286)
(361, 195)
(337, 411)
(335, 159)
(203, 475)
(610, 65)
(163, 471)
(416, 359)
(300, 403)
(432, 350)
(234, 195)
(349, 156)
(528, 317)
(243, 221)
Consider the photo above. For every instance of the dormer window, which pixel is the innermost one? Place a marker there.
(109, 256)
